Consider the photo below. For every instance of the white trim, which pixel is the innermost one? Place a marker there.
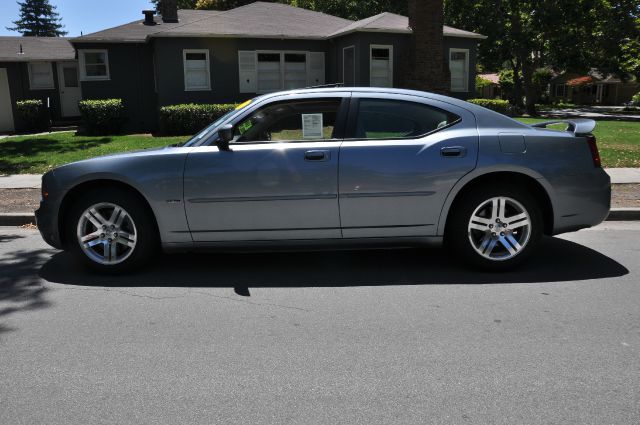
(354, 63)
(381, 46)
(184, 69)
(83, 69)
(466, 67)
(48, 86)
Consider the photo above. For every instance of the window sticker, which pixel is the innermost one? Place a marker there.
(245, 126)
(312, 126)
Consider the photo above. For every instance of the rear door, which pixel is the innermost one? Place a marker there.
(401, 157)
(278, 180)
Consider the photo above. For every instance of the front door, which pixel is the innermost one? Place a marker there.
(401, 157)
(70, 92)
(6, 112)
(278, 180)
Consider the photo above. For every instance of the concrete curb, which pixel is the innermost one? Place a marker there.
(19, 219)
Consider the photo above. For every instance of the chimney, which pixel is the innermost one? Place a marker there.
(426, 67)
(169, 11)
(148, 17)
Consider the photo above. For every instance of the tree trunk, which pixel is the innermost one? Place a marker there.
(517, 84)
(425, 67)
(529, 89)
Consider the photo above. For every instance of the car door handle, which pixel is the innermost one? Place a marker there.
(453, 151)
(316, 155)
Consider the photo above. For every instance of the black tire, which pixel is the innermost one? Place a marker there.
(146, 236)
(457, 233)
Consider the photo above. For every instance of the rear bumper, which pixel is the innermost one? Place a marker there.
(581, 201)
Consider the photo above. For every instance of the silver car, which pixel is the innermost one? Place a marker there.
(309, 168)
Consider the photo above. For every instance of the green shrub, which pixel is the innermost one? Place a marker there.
(190, 118)
(103, 116)
(635, 100)
(498, 105)
(33, 114)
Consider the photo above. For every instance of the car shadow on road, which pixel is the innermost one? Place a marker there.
(557, 260)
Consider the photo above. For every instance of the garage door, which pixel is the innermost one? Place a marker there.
(6, 114)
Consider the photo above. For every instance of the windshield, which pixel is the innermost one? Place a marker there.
(211, 129)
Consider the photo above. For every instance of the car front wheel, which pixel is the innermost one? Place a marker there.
(495, 228)
(111, 231)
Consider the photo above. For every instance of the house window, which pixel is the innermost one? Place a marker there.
(196, 70)
(380, 66)
(269, 72)
(40, 75)
(561, 90)
(280, 70)
(94, 65)
(459, 69)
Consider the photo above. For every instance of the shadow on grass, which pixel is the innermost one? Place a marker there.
(340, 269)
(23, 151)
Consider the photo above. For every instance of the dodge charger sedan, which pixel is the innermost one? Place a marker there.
(331, 167)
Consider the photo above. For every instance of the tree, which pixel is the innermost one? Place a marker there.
(38, 18)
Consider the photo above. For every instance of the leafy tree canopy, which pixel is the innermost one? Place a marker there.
(38, 18)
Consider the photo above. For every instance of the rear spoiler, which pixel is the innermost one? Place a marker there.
(577, 125)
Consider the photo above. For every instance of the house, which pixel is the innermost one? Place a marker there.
(491, 89)
(42, 68)
(591, 88)
(204, 56)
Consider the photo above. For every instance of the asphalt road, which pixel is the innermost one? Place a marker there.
(396, 336)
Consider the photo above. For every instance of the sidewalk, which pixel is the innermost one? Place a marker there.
(32, 181)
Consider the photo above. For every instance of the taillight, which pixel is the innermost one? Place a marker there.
(595, 155)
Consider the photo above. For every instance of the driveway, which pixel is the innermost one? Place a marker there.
(380, 337)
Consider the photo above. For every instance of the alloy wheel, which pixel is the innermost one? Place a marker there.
(499, 228)
(106, 233)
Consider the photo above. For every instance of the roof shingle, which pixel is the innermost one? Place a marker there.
(35, 49)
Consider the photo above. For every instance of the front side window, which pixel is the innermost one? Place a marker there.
(290, 121)
(94, 64)
(196, 70)
(391, 119)
(459, 68)
(40, 75)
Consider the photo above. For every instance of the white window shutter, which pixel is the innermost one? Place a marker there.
(315, 76)
(247, 71)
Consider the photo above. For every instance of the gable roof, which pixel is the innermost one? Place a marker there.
(35, 49)
(259, 20)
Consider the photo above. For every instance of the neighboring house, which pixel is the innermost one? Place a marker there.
(492, 89)
(37, 68)
(204, 56)
(592, 88)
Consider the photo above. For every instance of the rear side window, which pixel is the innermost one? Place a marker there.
(390, 119)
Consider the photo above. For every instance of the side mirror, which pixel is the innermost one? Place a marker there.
(225, 135)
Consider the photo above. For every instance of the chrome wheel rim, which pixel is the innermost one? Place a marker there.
(106, 233)
(499, 229)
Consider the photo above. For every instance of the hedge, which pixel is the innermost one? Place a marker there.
(33, 115)
(190, 118)
(498, 105)
(104, 116)
(635, 100)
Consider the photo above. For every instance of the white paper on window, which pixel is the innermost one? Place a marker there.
(312, 126)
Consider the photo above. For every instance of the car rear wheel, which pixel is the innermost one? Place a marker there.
(495, 228)
(111, 231)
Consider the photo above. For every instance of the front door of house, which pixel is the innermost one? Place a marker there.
(70, 92)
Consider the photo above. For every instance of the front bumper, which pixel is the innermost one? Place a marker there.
(47, 214)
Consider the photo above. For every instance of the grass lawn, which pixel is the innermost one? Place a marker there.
(37, 154)
(618, 141)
